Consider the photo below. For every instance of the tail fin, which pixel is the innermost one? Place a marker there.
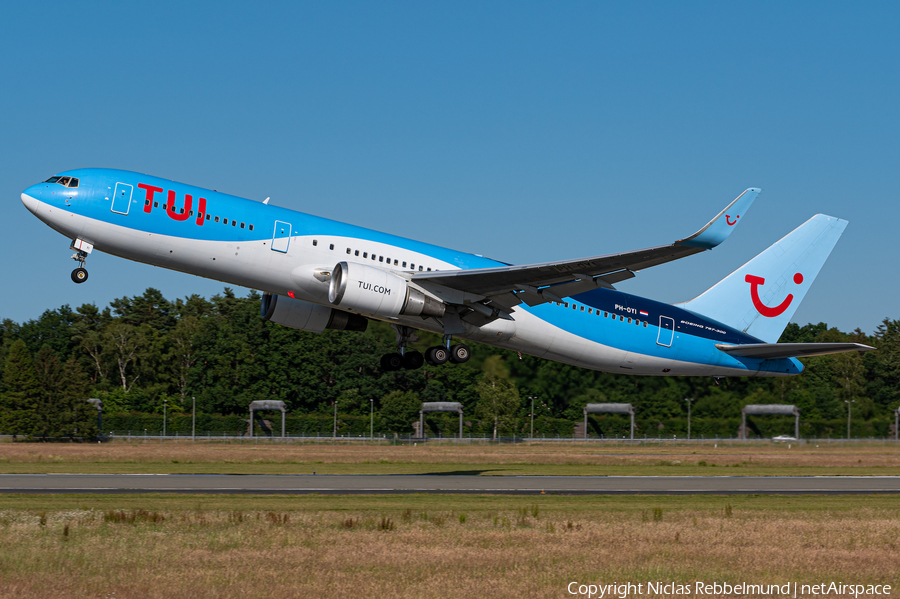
(760, 297)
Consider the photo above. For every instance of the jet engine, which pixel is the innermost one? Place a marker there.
(306, 316)
(378, 292)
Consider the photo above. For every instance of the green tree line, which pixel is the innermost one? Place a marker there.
(142, 351)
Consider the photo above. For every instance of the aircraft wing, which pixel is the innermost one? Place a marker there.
(771, 351)
(534, 284)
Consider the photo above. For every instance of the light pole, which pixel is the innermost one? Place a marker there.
(334, 430)
(371, 419)
(849, 409)
(193, 417)
(532, 417)
(689, 400)
(165, 410)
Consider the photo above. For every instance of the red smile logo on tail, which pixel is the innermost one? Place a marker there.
(763, 309)
(728, 220)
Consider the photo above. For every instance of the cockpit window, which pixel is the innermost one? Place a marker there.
(64, 181)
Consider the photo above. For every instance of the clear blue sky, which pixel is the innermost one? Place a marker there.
(522, 131)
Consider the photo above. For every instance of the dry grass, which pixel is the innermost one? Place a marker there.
(433, 546)
(570, 459)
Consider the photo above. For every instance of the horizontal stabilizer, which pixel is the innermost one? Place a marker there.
(772, 351)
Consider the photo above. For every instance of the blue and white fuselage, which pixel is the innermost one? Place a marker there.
(292, 255)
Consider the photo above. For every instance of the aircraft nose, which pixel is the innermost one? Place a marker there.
(30, 198)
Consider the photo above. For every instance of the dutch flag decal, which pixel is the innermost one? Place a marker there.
(644, 313)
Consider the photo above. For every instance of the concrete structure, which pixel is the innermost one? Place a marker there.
(97, 403)
(267, 404)
(440, 406)
(608, 408)
(770, 409)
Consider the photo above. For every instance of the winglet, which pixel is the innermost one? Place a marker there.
(718, 229)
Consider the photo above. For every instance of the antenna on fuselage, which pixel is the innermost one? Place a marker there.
(266, 201)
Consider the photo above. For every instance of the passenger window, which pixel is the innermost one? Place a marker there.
(621, 319)
(381, 258)
(182, 211)
(348, 251)
(590, 310)
(242, 225)
(566, 304)
(645, 324)
(395, 262)
(191, 213)
(146, 202)
(156, 204)
(412, 266)
(429, 270)
(404, 265)
(224, 221)
(217, 219)
(365, 254)
(330, 246)
(207, 216)
(233, 223)
(251, 227)
(315, 242)
(582, 308)
(356, 253)
(629, 321)
(420, 267)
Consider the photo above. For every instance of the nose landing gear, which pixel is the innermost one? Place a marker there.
(82, 249)
(80, 274)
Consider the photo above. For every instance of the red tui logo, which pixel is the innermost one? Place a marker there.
(763, 309)
(728, 220)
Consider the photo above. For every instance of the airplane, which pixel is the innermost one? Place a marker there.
(317, 274)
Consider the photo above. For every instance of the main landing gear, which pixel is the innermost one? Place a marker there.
(80, 274)
(410, 359)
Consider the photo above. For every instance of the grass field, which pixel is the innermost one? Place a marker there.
(432, 546)
(205, 546)
(538, 459)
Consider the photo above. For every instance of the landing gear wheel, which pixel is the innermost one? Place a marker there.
(459, 354)
(437, 355)
(79, 275)
(413, 360)
(391, 362)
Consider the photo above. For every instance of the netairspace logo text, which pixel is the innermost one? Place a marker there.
(699, 588)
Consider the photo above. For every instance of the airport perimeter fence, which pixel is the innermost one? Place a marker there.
(207, 437)
(611, 426)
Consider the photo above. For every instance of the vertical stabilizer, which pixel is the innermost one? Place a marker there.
(760, 297)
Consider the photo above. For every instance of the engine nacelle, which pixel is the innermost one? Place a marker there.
(306, 316)
(378, 292)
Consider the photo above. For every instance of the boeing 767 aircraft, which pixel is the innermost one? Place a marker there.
(319, 274)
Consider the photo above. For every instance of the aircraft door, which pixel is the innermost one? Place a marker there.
(281, 239)
(666, 331)
(121, 201)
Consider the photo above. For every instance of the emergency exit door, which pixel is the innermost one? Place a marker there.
(281, 239)
(121, 201)
(666, 331)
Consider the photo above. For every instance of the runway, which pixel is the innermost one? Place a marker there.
(432, 483)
